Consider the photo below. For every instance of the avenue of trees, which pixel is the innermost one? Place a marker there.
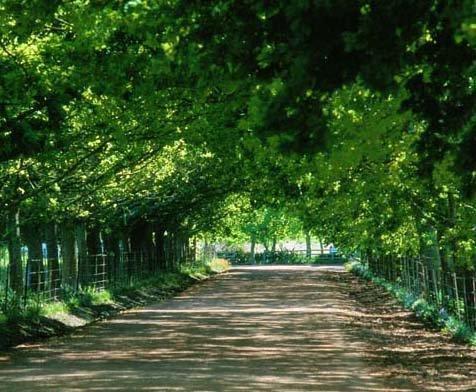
(145, 124)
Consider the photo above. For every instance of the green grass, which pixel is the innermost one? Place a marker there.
(51, 308)
(201, 270)
(427, 312)
(156, 287)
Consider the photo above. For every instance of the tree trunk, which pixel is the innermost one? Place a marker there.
(81, 244)
(273, 245)
(308, 245)
(178, 249)
(173, 240)
(139, 246)
(167, 246)
(95, 263)
(171, 257)
(14, 251)
(194, 249)
(35, 273)
(112, 250)
(93, 241)
(52, 255)
(445, 271)
(69, 255)
(159, 247)
(452, 224)
(252, 248)
(125, 240)
(148, 247)
(188, 250)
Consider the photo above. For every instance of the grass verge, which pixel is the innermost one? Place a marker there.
(425, 311)
(39, 320)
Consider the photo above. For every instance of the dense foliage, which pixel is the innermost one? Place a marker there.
(352, 121)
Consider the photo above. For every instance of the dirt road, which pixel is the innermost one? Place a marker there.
(252, 329)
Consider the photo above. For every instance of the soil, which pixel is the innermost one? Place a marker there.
(267, 328)
(402, 346)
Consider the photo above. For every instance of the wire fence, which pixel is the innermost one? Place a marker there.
(453, 293)
(50, 279)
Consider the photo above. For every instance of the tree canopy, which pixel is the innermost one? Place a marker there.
(355, 119)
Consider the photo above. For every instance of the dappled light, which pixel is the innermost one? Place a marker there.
(237, 195)
(403, 346)
(254, 328)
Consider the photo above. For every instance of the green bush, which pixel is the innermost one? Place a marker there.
(459, 331)
(425, 311)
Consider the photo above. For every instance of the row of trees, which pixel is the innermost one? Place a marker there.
(366, 119)
(354, 120)
(153, 208)
(102, 141)
(74, 255)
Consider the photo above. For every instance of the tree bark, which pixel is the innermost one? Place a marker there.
(112, 250)
(194, 249)
(51, 240)
(172, 253)
(178, 249)
(81, 244)
(148, 247)
(188, 250)
(252, 248)
(159, 247)
(141, 245)
(95, 261)
(308, 245)
(273, 245)
(69, 253)
(452, 224)
(35, 278)
(14, 251)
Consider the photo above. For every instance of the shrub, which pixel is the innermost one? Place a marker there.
(459, 331)
(359, 269)
(425, 310)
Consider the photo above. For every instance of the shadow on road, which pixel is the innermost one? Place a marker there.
(280, 328)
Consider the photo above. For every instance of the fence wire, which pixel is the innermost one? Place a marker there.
(452, 292)
(47, 279)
